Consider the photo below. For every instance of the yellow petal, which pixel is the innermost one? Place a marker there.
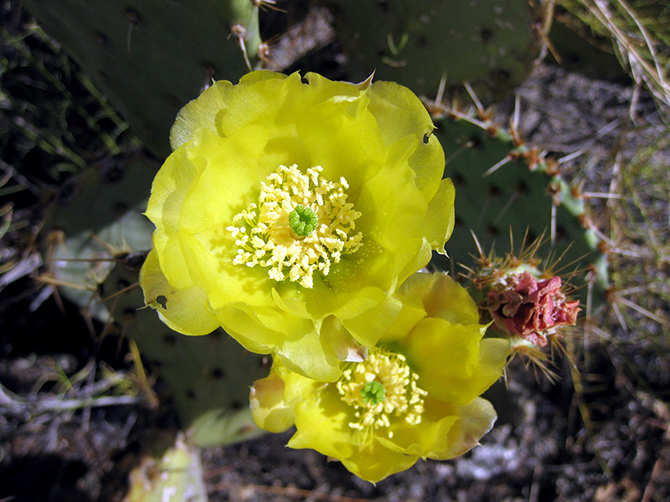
(257, 100)
(223, 282)
(428, 438)
(183, 310)
(401, 114)
(229, 181)
(269, 408)
(428, 154)
(369, 326)
(273, 399)
(200, 113)
(168, 192)
(441, 297)
(390, 202)
(376, 462)
(448, 359)
(398, 111)
(312, 356)
(321, 420)
(438, 222)
(296, 342)
(476, 419)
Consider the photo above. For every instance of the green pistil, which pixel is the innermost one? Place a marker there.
(303, 221)
(373, 391)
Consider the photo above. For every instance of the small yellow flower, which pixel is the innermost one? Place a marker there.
(415, 397)
(380, 387)
(291, 210)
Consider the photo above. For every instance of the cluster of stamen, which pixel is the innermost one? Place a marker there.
(380, 387)
(301, 224)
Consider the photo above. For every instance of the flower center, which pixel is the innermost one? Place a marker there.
(301, 224)
(373, 391)
(380, 387)
(303, 221)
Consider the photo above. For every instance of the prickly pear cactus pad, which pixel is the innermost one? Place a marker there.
(290, 211)
(505, 192)
(209, 377)
(97, 217)
(417, 42)
(150, 57)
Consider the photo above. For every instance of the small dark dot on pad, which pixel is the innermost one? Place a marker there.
(119, 208)
(383, 5)
(486, 34)
(474, 142)
(217, 373)
(114, 173)
(132, 17)
(172, 101)
(561, 233)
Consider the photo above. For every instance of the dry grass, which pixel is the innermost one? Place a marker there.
(640, 33)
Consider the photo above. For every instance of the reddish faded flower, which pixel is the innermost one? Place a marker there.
(521, 306)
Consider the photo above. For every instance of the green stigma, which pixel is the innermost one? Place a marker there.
(373, 391)
(303, 221)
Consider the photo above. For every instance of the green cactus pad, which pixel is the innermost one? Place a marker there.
(512, 198)
(209, 376)
(153, 56)
(96, 218)
(417, 42)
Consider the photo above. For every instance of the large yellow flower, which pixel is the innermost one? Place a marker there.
(416, 397)
(291, 210)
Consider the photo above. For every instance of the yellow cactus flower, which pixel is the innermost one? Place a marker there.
(417, 396)
(290, 211)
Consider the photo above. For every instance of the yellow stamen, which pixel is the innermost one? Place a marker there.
(264, 234)
(401, 397)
